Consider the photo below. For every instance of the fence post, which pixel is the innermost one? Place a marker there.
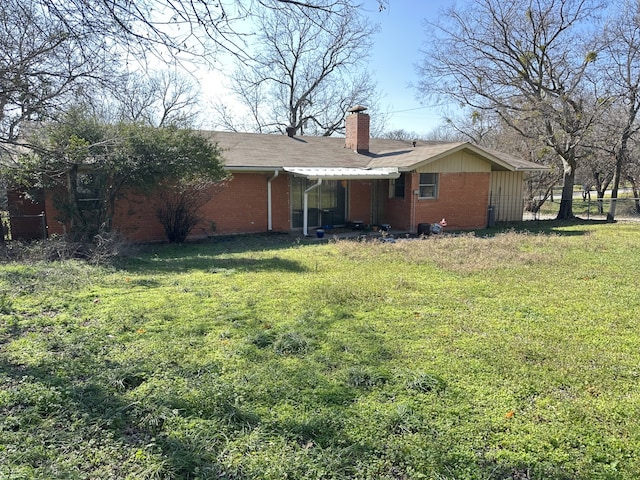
(43, 225)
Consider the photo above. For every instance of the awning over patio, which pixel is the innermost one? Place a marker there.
(333, 173)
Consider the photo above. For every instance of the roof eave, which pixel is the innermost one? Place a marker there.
(541, 168)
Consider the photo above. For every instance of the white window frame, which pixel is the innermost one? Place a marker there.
(428, 187)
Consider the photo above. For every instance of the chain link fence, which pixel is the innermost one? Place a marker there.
(626, 208)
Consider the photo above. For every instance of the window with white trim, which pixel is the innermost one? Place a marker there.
(428, 185)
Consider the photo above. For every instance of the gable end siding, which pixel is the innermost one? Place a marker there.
(506, 195)
(457, 162)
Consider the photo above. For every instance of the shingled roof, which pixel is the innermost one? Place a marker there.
(253, 151)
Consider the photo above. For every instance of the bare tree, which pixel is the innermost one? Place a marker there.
(475, 126)
(158, 99)
(51, 49)
(597, 169)
(42, 66)
(170, 29)
(620, 79)
(305, 71)
(400, 134)
(525, 61)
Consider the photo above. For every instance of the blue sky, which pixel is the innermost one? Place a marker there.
(395, 53)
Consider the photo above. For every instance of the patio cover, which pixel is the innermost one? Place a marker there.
(335, 173)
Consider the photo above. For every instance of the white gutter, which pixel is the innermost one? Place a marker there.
(231, 168)
(305, 211)
(269, 205)
(343, 173)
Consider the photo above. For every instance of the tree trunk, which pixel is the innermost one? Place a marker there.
(611, 215)
(636, 193)
(566, 200)
(600, 202)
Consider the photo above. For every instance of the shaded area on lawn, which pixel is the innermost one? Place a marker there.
(218, 255)
(550, 227)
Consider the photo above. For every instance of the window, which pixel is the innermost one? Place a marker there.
(428, 185)
(397, 186)
(88, 191)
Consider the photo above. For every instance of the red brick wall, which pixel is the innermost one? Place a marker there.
(24, 221)
(281, 205)
(54, 226)
(135, 218)
(397, 211)
(242, 206)
(462, 201)
(359, 207)
(238, 207)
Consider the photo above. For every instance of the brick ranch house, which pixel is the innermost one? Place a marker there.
(285, 183)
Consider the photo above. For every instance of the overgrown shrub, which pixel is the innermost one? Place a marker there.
(179, 206)
(104, 248)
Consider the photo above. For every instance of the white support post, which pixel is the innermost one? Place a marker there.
(269, 202)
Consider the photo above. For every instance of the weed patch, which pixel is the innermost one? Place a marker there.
(291, 343)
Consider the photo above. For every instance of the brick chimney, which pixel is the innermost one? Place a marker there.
(357, 129)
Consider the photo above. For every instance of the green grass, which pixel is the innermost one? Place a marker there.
(514, 355)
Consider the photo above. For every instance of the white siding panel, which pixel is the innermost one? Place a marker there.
(456, 163)
(506, 195)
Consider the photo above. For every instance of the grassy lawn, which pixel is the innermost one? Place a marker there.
(514, 356)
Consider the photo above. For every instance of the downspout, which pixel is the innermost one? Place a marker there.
(414, 194)
(305, 211)
(269, 203)
(412, 210)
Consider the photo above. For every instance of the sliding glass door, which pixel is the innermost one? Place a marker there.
(327, 203)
